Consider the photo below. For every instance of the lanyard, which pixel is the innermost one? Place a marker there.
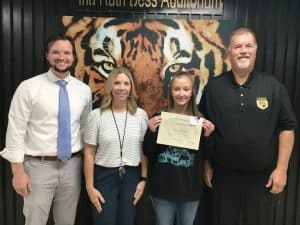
(121, 142)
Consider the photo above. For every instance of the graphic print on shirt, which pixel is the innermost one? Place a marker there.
(177, 157)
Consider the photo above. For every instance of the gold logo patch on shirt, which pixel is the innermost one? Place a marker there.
(262, 103)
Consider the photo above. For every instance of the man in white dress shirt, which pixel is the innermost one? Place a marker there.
(32, 138)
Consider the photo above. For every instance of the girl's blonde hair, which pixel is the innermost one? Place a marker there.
(107, 97)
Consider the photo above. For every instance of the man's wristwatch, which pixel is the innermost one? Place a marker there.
(144, 179)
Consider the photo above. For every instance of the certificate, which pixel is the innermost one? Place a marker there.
(180, 130)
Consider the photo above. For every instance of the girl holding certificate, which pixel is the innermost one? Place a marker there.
(176, 173)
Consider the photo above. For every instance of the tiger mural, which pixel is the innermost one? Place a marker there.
(153, 50)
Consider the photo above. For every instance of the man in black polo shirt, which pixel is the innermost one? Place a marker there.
(253, 138)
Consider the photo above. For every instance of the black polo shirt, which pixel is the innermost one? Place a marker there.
(248, 119)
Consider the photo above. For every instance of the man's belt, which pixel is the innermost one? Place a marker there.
(50, 158)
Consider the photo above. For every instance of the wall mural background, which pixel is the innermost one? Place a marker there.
(153, 50)
(26, 25)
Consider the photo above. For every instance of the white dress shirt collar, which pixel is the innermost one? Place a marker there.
(53, 78)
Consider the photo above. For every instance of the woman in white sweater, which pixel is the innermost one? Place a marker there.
(114, 165)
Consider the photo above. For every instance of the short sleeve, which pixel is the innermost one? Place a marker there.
(287, 119)
(144, 121)
(92, 127)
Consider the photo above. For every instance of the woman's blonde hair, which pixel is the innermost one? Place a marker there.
(191, 108)
(107, 97)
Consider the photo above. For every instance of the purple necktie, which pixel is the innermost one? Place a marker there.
(64, 124)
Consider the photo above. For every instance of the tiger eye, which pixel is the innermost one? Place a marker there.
(108, 66)
(175, 68)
